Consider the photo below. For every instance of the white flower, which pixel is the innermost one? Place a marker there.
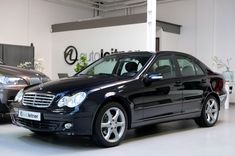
(220, 64)
(37, 65)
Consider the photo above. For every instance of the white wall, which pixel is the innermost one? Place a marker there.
(225, 33)
(182, 13)
(207, 28)
(29, 21)
(225, 30)
(205, 31)
(168, 41)
(123, 38)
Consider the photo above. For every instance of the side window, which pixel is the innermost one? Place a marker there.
(163, 66)
(130, 65)
(188, 67)
(199, 70)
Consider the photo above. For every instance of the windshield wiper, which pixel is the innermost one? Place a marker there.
(106, 74)
(102, 74)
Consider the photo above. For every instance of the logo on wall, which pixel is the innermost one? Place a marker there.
(70, 55)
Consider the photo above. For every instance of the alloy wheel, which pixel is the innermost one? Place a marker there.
(113, 124)
(211, 111)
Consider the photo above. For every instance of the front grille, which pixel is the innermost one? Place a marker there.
(45, 125)
(39, 100)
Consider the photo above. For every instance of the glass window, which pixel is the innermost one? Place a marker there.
(127, 62)
(199, 70)
(123, 65)
(186, 66)
(106, 67)
(163, 66)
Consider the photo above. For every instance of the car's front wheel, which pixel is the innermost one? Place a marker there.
(110, 125)
(210, 113)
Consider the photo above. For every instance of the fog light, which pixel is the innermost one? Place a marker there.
(68, 125)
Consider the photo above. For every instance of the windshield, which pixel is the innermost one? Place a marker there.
(118, 65)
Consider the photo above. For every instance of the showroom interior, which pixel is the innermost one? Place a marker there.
(49, 36)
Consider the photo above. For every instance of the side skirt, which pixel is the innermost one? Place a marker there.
(165, 119)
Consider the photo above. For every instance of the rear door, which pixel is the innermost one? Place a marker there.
(194, 82)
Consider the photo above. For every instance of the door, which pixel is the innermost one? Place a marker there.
(194, 82)
(163, 97)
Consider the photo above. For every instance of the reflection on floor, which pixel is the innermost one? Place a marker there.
(175, 138)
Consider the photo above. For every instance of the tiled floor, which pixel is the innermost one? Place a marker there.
(181, 138)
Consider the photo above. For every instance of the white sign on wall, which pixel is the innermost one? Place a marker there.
(94, 43)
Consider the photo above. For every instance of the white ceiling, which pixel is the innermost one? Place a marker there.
(123, 1)
(107, 5)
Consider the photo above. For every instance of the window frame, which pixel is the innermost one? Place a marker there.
(171, 57)
(119, 56)
(194, 62)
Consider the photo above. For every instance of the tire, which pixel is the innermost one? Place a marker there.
(209, 114)
(110, 125)
(5, 118)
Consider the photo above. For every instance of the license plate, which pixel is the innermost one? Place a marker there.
(29, 115)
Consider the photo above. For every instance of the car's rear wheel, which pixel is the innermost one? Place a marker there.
(210, 113)
(110, 125)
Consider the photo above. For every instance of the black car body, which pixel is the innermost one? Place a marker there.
(128, 90)
(13, 79)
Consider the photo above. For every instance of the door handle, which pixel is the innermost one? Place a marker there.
(178, 83)
(203, 81)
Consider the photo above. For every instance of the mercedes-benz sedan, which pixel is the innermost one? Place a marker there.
(120, 92)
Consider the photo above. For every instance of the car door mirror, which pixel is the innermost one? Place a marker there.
(152, 77)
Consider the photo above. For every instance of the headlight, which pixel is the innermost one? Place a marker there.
(19, 96)
(72, 101)
(7, 80)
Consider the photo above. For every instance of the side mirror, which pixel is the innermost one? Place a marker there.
(152, 77)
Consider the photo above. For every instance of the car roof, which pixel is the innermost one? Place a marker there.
(155, 54)
(149, 52)
(173, 52)
(139, 53)
(133, 53)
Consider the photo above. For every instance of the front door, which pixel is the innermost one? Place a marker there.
(162, 98)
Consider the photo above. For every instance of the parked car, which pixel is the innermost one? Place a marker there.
(120, 92)
(13, 79)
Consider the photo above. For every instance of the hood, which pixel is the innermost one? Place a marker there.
(82, 83)
(19, 72)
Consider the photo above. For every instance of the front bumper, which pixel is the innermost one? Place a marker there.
(55, 122)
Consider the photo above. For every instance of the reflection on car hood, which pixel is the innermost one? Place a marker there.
(82, 83)
(18, 72)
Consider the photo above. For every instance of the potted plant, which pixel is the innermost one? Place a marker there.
(81, 64)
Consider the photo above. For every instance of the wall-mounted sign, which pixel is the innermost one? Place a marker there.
(70, 55)
(94, 44)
